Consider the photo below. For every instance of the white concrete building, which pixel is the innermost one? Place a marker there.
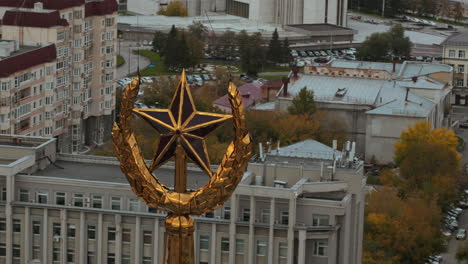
(376, 101)
(299, 204)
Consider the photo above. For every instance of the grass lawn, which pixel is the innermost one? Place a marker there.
(120, 61)
(159, 68)
(272, 77)
(275, 68)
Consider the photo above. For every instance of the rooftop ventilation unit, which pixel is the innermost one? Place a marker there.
(341, 92)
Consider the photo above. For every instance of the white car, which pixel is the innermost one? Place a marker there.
(461, 234)
(146, 79)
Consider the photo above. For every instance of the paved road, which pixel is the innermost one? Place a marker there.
(126, 48)
(449, 257)
(426, 50)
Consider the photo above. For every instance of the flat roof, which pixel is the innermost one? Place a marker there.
(320, 27)
(334, 196)
(113, 174)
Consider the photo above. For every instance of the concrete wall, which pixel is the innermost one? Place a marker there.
(382, 132)
(144, 7)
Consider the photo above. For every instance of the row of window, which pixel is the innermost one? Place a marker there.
(461, 54)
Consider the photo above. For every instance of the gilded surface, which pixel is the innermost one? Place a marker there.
(181, 137)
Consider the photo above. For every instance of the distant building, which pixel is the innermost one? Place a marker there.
(455, 54)
(70, 97)
(251, 94)
(295, 205)
(375, 101)
(280, 12)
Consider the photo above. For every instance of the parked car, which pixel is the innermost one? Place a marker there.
(303, 53)
(310, 53)
(146, 80)
(447, 233)
(317, 53)
(323, 53)
(461, 234)
(463, 125)
(321, 60)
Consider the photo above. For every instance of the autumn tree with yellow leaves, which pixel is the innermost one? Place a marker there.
(174, 8)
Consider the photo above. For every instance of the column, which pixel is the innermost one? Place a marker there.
(271, 235)
(232, 228)
(63, 232)
(251, 247)
(9, 218)
(291, 223)
(45, 235)
(137, 249)
(118, 238)
(27, 243)
(156, 241)
(332, 247)
(346, 234)
(100, 237)
(213, 244)
(302, 247)
(83, 252)
(196, 246)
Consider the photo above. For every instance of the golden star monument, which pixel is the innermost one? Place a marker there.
(182, 132)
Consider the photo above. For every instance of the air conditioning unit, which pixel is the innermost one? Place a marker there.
(57, 238)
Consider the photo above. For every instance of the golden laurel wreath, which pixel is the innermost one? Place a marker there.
(146, 186)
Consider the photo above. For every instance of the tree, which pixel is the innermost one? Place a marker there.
(445, 9)
(458, 11)
(274, 48)
(159, 42)
(399, 44)
(170, 51)
(303, 103)
(252, 53)
(197, 29)
(375, 47)
(174, 8)
(400, 230)
(462, 253)
(285, 52)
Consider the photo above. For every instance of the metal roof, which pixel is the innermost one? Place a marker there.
(412, 69)
(368, 65)
(416, 106)
(422, 82)
(307, 149)
(457, 39)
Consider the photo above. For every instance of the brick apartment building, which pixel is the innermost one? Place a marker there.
(61, 81)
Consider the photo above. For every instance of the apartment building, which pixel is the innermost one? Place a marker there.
(84, 34)
(298, 204)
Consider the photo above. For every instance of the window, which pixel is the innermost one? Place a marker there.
(261, 248)
(56, 254)
(146, 260)
(225, 244)
(227, 212)
(283, 250)
(147, 237)
(56, 229)
(209, 215)
(125, 259)
(284, 217)
(246, 214)
(42, 197)
(24, 195)
(461, 54)
(134, 204)
(461, 68)
(239, 246)
(320, 247)
(16, 225)
(204, 243)
(5, 86)
(3, 195)
(78, 199)
(91, 232)
(60, 198)
(109, 63)
(2, 224)
(36, 227)
(110, 258)
(97, 201)
(16, 251)
(265, 215)
(115, 203)
(320, 220)
(111, 234)
(2, 249)
(71, 230)
(451, 53)
(110, 22)
(459, 82)
(70, 255)
(126, 235)
(91, 258)
(36, 252)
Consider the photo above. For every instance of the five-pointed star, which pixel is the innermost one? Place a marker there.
(182, 124)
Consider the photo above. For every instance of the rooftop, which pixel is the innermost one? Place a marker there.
(27, 57)
(457, 39)
(319, 27)
(112, 173)
(33, 18)
(48, 4)
(250, 93)
(310, 149)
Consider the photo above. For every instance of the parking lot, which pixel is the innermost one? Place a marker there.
(309, 57)
(449, 256)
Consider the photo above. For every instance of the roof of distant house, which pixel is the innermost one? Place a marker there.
(25, 60)
(31, 18)
(250, 93)
(457, 39)
(273, 84)
(48, 4)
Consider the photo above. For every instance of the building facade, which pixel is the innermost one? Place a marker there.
(455, 54)
(84, 34)
(375, 101)
(299, 204)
